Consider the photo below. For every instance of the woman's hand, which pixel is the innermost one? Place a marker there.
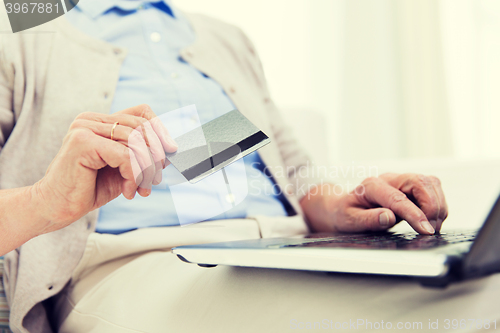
(91, 169)
(378, 203)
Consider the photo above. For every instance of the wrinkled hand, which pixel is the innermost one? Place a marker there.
(378, 203)
(90, 169)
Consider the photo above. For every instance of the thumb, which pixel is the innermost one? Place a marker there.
(375, 219)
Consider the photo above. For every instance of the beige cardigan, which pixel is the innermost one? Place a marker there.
(52, 73)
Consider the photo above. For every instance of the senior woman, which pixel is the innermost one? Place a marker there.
(70, 144)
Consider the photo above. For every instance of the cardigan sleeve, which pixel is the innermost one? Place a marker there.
(6, 97)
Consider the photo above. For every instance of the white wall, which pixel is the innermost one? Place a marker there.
(472, 52)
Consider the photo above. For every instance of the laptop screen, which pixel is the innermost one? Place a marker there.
(484, 255)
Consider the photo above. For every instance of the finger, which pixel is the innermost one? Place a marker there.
(131, 121)
(168, 143)
(117, 155)
(376, 191)
(443, 213)
(156, 149)
(121, 133)
(374, 219)
(421, 188)
(430, 197)
(131, 185)
(134, 117)
(145, 160)
(144, 111)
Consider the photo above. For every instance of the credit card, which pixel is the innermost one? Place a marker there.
(216, 144)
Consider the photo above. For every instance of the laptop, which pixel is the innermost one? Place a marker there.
(433, 260)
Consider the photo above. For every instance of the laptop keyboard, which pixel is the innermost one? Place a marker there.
(406, 241)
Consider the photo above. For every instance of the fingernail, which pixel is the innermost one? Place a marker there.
(173, 143)
(427, 227)
(132, 195)
(433, 223)
(383, 219)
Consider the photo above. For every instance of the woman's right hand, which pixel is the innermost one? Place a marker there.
(90, 169)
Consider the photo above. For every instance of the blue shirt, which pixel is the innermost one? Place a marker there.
(154, 32)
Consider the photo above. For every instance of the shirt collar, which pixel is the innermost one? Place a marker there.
(95, 8)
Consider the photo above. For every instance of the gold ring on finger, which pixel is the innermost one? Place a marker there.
(113, 130)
